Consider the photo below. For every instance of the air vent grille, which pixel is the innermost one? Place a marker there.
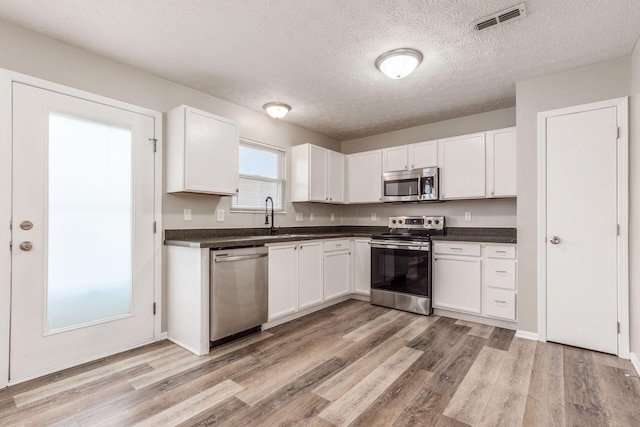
(515, 12)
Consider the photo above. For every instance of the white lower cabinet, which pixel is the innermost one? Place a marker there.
(336, 272)
(283, 280)
(475, 278)
(457, 283)
(309, 274)
(362, 267)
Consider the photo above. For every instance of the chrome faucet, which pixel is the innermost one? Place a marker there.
(273, 228)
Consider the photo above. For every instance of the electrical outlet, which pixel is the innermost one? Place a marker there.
(467, 216)
(312, 217)
(187, 214)
(299, 216)
(333, 217)
(220, 215)
(374, 217)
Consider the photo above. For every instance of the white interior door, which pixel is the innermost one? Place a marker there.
(82, 274)
(581, 234)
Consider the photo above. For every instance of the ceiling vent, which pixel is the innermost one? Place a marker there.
(515, 12)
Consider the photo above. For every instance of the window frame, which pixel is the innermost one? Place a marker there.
(283, 180)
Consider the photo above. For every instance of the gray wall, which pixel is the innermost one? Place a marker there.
(484, 213)
(634, 202)
(460, 126)
(34, 54)
(596, 82)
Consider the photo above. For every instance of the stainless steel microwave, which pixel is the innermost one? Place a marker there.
(416, 185)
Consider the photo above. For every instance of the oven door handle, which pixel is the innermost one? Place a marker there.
(408, 246)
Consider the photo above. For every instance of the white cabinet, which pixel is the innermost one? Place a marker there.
(462, 162)
(202, 152)
(362, 267)
(412, 156)
(395, 159)
(499, 281)
(283, 280)
(364, 180)
(309, 274)
(457, 283)
(336, 269)
(317, 174)
(501, 163)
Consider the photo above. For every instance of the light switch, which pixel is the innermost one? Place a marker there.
(333, 217)
(467, 216)
(299, 216)
(187, 214)
(220, 215)
(312, 217)
(374, 217)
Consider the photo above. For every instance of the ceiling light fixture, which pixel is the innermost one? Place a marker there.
(277, 110)
(398, 63)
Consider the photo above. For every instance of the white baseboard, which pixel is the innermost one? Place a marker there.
(163, 336)
(635, 362)
(289, 317)
(533, 336)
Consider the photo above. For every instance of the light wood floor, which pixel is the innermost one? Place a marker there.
(351, 364)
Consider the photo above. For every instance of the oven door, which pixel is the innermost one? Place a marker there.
(401, 268)
(401, 187)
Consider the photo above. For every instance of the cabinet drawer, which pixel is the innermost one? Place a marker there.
(453, 248)
(500, 273)
(508, 252)
(500, 303)
(335, 245)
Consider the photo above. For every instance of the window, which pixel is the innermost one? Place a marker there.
(261, 175)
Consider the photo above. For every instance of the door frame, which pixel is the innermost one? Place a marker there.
(7, 78)
(622, 105)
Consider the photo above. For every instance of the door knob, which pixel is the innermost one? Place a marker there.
(554, 240)
(26, 246)
(26, 225)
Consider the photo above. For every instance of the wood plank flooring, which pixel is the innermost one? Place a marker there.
(351, 364)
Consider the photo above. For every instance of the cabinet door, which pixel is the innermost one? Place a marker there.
(501, 163)
(395, 159)
(457, 283)
(364, 181)
(318, 174)
(336, 274)
(335, 176)
(283, 280)
(362, 267)
(423, 155)
(309, 274)
(462, 161)
(211, 154)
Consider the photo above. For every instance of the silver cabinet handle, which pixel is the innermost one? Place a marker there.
(26, 246)
(500, 301)
(501, 252)
(238, 257)
(554, 240)
(456, 249)
(501, 271)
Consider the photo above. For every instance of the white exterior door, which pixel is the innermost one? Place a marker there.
(581, 222)
(83, 243)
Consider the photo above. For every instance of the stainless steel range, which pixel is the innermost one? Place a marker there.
(401, 271)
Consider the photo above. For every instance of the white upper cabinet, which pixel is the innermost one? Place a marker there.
(364, 177)
(395, 159)
(501, 163)
(317, 174)
(462, 162)
(202, 152)
(412, 156)
(423, 155)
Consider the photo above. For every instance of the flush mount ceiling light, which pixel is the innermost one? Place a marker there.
(398, 63)
(277, 110)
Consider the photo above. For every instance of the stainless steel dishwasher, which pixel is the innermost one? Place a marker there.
(239, 292)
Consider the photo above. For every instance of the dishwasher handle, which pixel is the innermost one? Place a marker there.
(222, 258)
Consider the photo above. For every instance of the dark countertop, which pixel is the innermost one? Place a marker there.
(244, 237)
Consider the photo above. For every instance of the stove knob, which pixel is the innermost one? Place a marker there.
(429, 221)
(437, 221)
(393, 221)
(399, 221)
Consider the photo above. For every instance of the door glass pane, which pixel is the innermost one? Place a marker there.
(401, 187)
(90, 221)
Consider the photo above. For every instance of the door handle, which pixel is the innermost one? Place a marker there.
(554, 240)
(26, 225)
(26, 246)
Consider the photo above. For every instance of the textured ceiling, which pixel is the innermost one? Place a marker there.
(318, 55)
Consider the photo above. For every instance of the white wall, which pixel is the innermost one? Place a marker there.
(606, 80)
(634, 202)
(484, 213)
